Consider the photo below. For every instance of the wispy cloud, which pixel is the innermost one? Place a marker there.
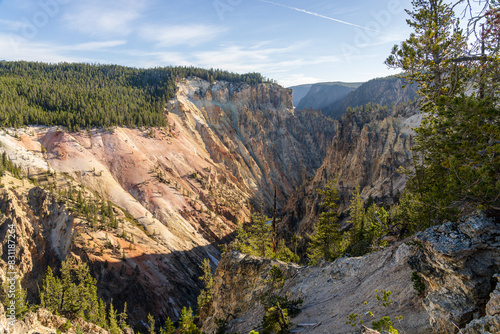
(95, 46)
(318, 15)
(10, 25)
(294, 79)
(192, 35)
(17, 48)
(104, 18)
(262, 57)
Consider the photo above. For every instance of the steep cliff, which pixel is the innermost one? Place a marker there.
(255, 132)
(177, 191)
(371, 143)
(299, 92)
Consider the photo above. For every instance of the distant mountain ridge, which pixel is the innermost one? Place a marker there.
(299, 92)
(320, 95)
(333, 98)
(385, 91)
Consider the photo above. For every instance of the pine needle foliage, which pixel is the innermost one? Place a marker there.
(326, 240)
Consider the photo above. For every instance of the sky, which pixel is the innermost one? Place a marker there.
(291, 41)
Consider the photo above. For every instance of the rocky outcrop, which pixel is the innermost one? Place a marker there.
(330, 292)
(369, 146)
(43, 229)
(44, 322)
(490, 323)
(458, 262)
(254, 131)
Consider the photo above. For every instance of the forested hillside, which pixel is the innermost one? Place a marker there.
(84, 95)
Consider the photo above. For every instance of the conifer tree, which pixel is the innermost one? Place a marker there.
(456, 169)
(373, 228)
(256, 238)
(102, 315)
(260, 233)
(151, 324)
(113, 323)
(122, 317)
(168, 328)
(208, 281)
(50, 294)
(186, 322)
(357, 213)
(326, 240)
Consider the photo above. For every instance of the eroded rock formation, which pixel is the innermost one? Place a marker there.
(457, 261)
(368, 148)
(177, 191)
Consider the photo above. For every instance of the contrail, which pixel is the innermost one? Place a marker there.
(318, 15)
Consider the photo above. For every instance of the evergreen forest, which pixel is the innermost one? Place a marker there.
(82, 96)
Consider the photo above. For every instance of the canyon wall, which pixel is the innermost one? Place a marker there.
(177, 192)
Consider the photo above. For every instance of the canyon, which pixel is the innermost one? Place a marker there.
(180, 191)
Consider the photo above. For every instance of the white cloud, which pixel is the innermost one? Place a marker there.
(95, 46)
(104, 18)
(15, 47)
(269, 60)
(298, 79)
(264, 57)
(192, 35)
(12, 25)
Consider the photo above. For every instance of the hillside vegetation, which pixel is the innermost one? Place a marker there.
(84, 95)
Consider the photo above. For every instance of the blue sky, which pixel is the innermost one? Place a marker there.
(291, 41)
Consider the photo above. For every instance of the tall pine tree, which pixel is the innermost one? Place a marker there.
(326, 239)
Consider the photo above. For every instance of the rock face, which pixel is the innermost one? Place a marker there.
(330, 292)
(490, 323)
(299, 92)
(368, 148)
(44, 322)
(255, 132)
(43, 231)
(177, 191)
(458, 262)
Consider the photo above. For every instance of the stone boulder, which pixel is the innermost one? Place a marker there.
(457, 261)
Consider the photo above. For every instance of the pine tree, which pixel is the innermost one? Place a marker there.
(186, 322)
(151, 324)
(260, 233)
(326, 240)
(427, 56)
(102, 315)
(169, 327)
(122, 317)
(357, 214)
(20, 301)
(113, 323)
(208, 281)
(456, 169)
(50, 294)
(285, 254)
(256, 238)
